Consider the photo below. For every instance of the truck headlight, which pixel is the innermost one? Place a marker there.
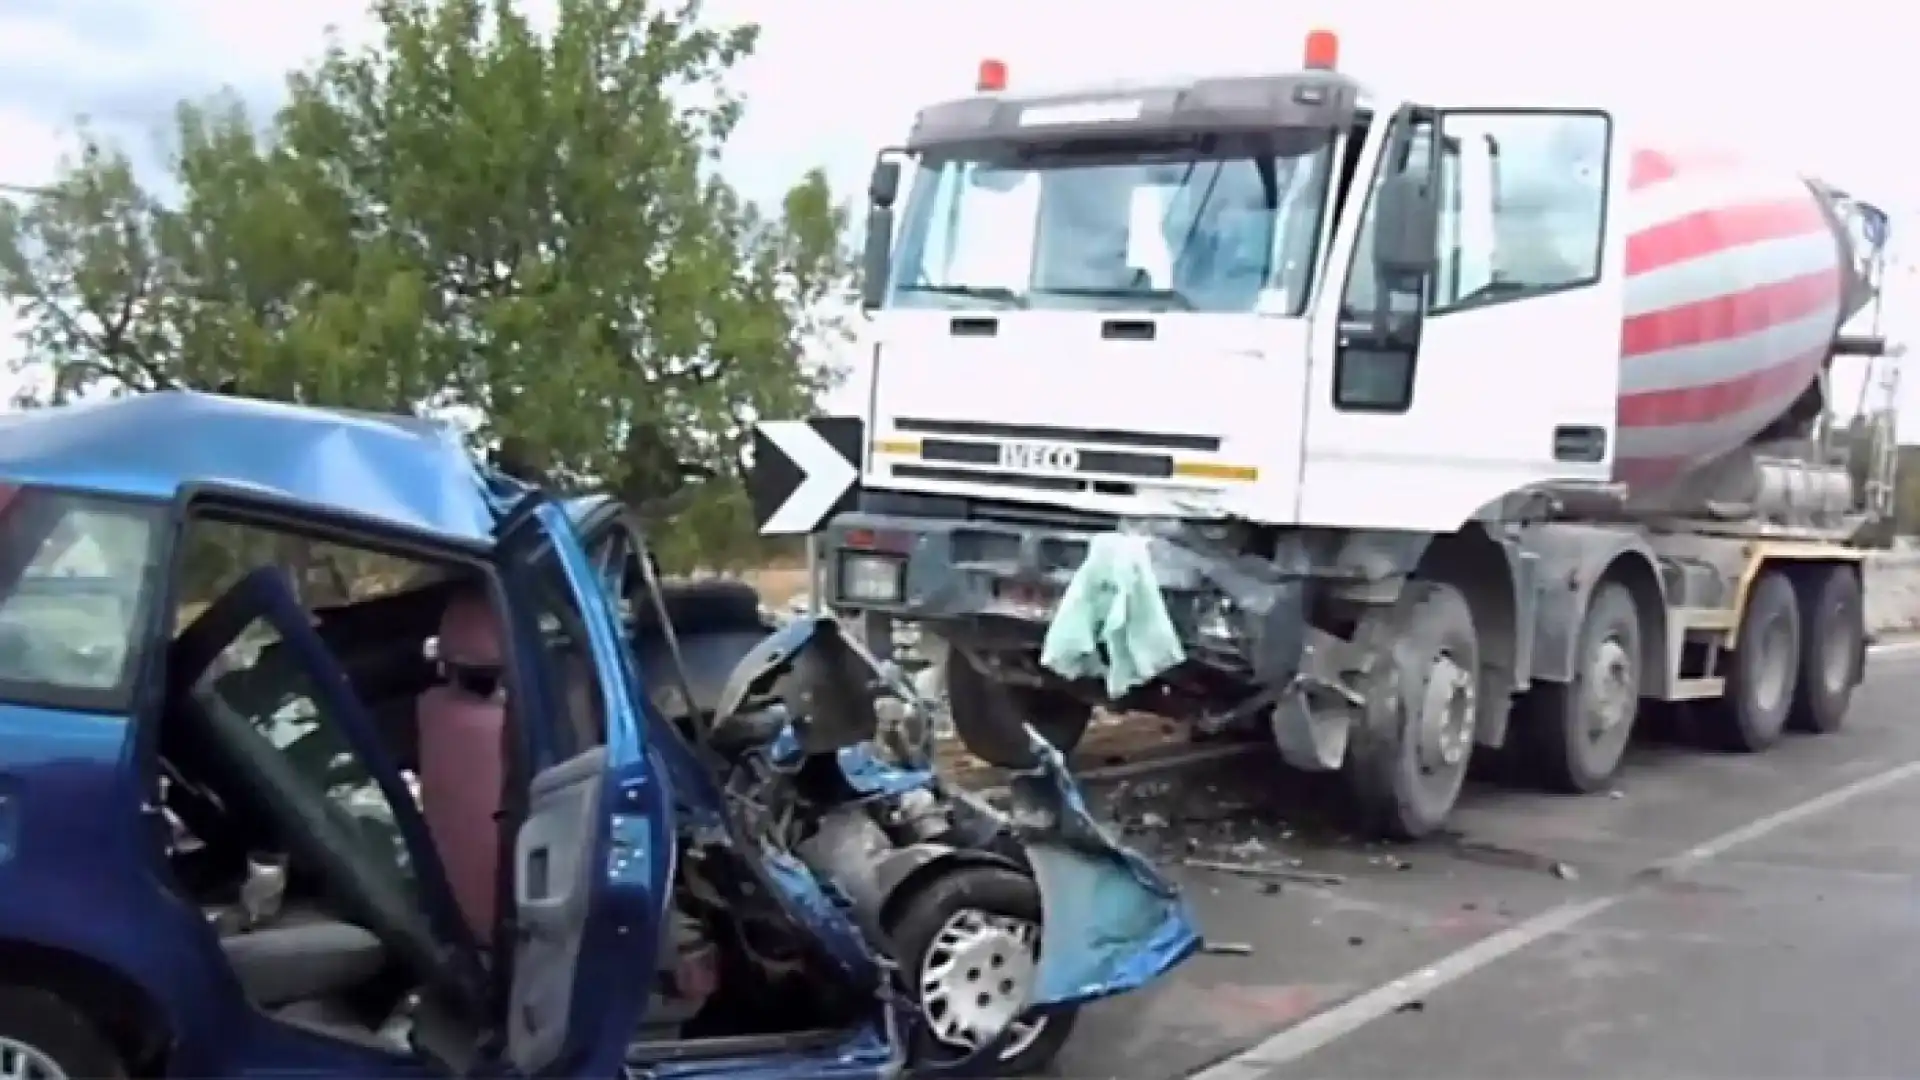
(872, 579)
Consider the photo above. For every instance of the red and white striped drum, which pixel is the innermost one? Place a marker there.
(1737, 281)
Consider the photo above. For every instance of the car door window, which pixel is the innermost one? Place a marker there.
(576, 682)
(277, 696)
(76, 574)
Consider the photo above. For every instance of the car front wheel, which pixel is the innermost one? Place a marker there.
(44, 1038)
(968, 945)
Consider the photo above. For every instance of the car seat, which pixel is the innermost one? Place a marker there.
(463, 761)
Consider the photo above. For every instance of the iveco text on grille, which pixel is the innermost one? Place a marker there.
(1041, 457)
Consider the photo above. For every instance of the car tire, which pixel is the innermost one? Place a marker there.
(916, 931)
(1766, 670)
(1396, 787)
(987, 715)
(1833, 632)
(40, 1028)
(1560, 746)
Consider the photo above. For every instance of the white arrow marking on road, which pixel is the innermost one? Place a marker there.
(824, 476)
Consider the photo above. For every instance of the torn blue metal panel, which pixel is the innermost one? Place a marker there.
(1111, 922)
(806, 897)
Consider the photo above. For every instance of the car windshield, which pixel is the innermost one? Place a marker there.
(1219, 224)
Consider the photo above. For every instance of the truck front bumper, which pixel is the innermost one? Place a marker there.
(994, 586)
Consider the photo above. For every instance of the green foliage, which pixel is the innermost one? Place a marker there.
(469, 215)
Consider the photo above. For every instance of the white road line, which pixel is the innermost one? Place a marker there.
(1344, 1019)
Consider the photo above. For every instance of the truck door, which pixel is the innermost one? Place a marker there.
(1497, 369)
(594, 859)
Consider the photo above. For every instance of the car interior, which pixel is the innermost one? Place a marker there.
(282, 827)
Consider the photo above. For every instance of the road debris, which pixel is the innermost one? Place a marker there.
(1227, 948)
(1267, 870)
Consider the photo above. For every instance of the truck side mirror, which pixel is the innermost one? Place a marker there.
(883, 187)
(1405, 223)
(876, 258)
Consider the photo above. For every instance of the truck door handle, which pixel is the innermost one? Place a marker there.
(1128, 330)
(1579, 442)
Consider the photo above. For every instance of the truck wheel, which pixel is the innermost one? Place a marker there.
(1766, 669)
(968, 946)
(987, 715)
(1574, 734)
(44, 1038)
(1408, 754)
(1833, 631)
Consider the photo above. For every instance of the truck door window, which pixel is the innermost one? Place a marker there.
(1523, 206)
(1371, 376)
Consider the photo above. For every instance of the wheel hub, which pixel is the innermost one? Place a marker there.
(23, 1061)
(977, 979)
(1446, 714)
(1612, 696)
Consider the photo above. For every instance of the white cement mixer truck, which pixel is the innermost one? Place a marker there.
(1437, 428)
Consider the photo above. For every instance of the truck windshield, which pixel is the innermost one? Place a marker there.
(1218, 225)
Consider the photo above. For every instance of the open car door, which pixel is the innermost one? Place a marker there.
(594, 859)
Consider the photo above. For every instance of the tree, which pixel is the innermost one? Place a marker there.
(469, 216)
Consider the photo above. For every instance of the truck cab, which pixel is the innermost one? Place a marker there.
(1177, 300)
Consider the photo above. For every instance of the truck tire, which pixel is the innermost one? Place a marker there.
(1765, 672)
(42, 1035)
(1573, 734)
(988, 715)
(1833, 631)
(972, 910)
(1408, 754)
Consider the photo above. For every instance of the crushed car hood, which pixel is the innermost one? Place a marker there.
(1111, 921)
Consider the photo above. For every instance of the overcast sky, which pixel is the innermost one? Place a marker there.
(1824, 87)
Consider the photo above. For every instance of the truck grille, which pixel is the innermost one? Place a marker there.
(1102, 461)
(1142, 440)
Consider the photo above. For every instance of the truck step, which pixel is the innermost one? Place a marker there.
(1712, 686)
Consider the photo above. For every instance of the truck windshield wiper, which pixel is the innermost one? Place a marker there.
(999, 294)
(1171, 297)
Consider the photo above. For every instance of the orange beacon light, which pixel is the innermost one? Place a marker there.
(1323, 50)
(992, 77)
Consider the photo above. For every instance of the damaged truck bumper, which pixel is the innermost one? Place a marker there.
(993, 588)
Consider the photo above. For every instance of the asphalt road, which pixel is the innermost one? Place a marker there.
(1716, 916)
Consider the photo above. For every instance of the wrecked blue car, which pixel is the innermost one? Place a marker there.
(323, 751)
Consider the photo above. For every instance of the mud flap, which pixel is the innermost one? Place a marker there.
(1110, 922)
(1310, 739)
(1312, 722)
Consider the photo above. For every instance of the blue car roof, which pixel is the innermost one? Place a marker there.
(400, 470)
